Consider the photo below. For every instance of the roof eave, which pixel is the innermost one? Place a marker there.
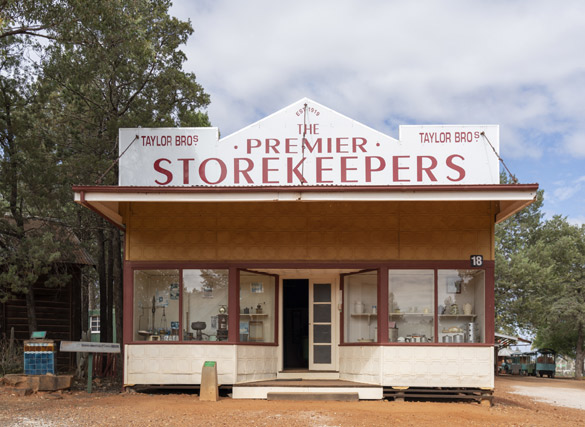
(105, 200)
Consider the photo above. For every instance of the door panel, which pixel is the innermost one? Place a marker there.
(321, 327)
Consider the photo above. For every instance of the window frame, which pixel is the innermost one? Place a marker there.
(233, 299)
(130, 267)
(92, 325)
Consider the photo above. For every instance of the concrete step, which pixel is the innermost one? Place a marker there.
(308, 375)
(332, 396)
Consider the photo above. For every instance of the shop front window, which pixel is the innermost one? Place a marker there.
(257, 307)
(411, 296)
(205, 305)
(156, 305)
(461, 306)
(360, 302)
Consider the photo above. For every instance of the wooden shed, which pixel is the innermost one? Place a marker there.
(58, 309)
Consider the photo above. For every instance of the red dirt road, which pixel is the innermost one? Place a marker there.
(137, 409)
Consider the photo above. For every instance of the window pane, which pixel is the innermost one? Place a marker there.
(411, 295)
(461, 305)
(322, 353)
(322, 333)
(322, 292)
(156, 305)
(205, 305)
(257, 307)
(95, 324)
(322, 313)
(360, 298)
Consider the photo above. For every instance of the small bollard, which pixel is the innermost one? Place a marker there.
(209, 392)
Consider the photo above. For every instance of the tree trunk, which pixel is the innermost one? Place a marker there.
(83, 283)
(118, 296)
(580, 356)
(118, 283)
(31, 309)
(101, 260)
(111, 254)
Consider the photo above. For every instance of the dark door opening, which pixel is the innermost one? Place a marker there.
(295, 326)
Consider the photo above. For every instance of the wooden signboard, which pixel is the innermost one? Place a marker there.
(91, 348)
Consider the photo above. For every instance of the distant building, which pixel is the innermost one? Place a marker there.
(58, 310)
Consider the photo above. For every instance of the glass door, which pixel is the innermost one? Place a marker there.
(322, 342)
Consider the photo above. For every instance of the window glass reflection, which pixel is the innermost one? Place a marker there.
(205, 305)
(411, 311)
(461, 306)
(156, 305)
(257, 307)
(360, 304)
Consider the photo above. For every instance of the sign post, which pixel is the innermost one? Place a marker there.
(90, 348)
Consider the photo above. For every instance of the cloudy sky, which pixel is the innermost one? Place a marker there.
(516, 63)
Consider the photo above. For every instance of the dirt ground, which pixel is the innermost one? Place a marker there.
(77, 408)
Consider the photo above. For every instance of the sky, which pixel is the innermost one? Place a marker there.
(515, 63)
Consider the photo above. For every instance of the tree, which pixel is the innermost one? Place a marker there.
(561, 298)
(30, 244)
(103, 65)
(514, 269)
(124, 69)
(540, 282)
(29, 17)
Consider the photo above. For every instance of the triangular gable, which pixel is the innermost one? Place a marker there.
(307, 143)
(291, 116)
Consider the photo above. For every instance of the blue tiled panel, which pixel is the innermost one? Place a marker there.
(39, 363)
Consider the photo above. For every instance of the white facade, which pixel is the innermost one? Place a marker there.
(387, 366)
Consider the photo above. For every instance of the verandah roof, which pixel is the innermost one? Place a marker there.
(106, 200)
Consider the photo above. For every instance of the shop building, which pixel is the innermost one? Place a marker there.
(308, 245)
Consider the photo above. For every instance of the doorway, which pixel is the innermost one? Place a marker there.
(295, 324)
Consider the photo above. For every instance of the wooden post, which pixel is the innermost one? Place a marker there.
(89, 371)
(90, 348)
(208, 391)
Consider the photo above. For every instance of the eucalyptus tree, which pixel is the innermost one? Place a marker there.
(119, 64)
(30, 17)
(540, 281)
(560, 299)
(514, 268)
(98, 66)
(30, 183)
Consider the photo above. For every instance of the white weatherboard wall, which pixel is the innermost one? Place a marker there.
(176, 364)
(418, 366)
(182, 364)
(360, 364)
(256, 363)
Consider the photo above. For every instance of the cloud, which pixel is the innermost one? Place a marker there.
(385, 63)
(564, 193)
(567, 197)
(577, 220)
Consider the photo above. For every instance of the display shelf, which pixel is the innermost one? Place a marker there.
(365, 315)
(457, 316)
(411, 314)
(254, 314)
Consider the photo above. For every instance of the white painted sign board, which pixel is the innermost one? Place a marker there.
(90, 347)
(307, 144)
